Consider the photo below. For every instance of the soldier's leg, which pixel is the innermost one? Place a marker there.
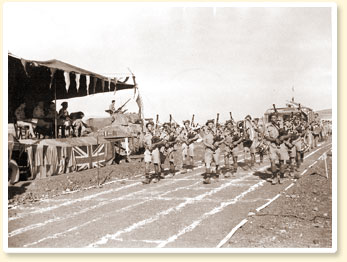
(162, 162)
(302, 156)
(156, 173)
(208, 160)
(235, 164)
(281, 174)
(261, 156)
(273, 157)
(156, 162)
(191, 154)
(252, 151)
(216, 156)
(252, 159)
(226, 159)
(184, 154)
(172, 162)
(147, 159)
(234, 156)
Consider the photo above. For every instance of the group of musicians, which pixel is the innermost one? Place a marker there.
(282, 140)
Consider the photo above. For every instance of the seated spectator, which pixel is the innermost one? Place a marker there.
(22, 121)
(51, 113)
(77, 123)
(64, 119)
(43, 127)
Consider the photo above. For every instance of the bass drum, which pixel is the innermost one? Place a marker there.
(262, 147)
(13, 172)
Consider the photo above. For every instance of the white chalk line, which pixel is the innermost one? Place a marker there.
(244, 221)
(106, 238)
(232, 232)
(214, 211)
(117, 211)
(70, 202)
(49, 220)
(292, 184)
(101, 204)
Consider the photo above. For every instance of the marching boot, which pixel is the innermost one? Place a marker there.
(207, 178)
(261, 156)
(147, 179)
(252, 161)
(275, 178)
(172, 169)
(191, 162)
(156, 174)
(216, 175)
(302, 156)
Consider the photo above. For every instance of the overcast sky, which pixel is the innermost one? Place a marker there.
(200, 60)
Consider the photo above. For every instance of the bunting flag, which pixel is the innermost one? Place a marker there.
(67, 80)
(88, 82)
(52, 76)
(24, 63)
(78, 81)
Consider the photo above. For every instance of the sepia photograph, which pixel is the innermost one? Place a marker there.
(181, 127)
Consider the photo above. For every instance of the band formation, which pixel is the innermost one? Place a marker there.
(282, 141)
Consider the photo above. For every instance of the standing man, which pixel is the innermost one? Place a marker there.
(211, 142)
(259, 129)
(249, 140)
(168, 148)
(188, 137)
(277, 149)
(151, 154)
(231, 140)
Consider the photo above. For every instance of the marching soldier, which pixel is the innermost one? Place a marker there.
(151, 142)
(212, 141)
(298, 141)
(261, 147)
(288, 130)
(188, 137)
(249, 139)
(231, 140)
(277, 149)
(168, 148)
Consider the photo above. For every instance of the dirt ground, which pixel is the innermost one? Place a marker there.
(300, 218)
(31, 191)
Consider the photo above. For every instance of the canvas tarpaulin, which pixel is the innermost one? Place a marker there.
(32, 81)
(50, 157)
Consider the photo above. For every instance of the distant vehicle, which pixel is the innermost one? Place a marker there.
(292, 109)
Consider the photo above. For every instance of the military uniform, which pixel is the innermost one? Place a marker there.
(151, 155)
(187, 138)
(212, 143)
(231, 141)
(168, 149)
(277, 151)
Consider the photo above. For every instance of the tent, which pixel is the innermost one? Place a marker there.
(32, 81)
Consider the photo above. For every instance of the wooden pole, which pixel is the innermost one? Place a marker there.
(97, 157)
(55, 111)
